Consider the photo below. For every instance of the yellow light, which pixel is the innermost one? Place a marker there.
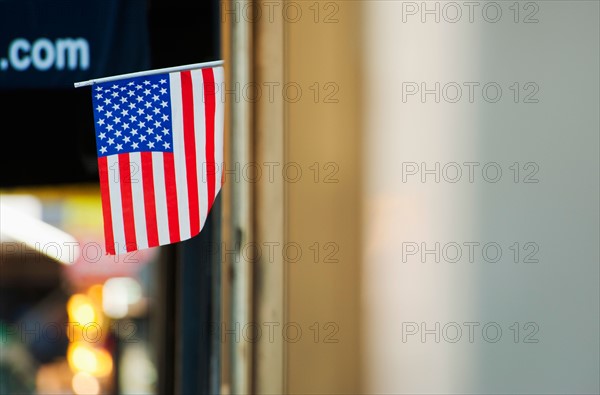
(84, 383)
(95, 294)
(83, 358)
(81, 309)
(105, 363)
(84, 314)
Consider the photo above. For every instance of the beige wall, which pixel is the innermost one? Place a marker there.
(326, 133)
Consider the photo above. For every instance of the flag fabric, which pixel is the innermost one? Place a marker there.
(159, 141)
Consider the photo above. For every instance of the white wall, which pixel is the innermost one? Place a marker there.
(559, 296)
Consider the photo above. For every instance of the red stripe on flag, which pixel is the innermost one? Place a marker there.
(149, 199)
(106, 211)
(209, 107)
(171, 191)
(187, 97)
(127, 202)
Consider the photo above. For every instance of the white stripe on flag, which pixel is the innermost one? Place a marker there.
(116, 210)
(160, 196)
(200, 127)
(179, 156)
(137, 197)
(219, 117)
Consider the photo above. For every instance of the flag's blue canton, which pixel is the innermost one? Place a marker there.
(133, 115)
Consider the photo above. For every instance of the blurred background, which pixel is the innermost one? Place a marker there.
(410, 201)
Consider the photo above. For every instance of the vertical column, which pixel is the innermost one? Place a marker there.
(269, 192)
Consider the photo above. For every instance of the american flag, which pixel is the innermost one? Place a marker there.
(159, 140)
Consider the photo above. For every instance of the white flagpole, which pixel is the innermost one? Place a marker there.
(150, 72)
